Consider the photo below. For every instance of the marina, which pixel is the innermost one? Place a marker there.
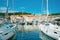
(31, 35)
(19, 23)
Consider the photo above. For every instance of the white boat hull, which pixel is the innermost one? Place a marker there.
(6, 32)
(50, 31)
(7, 35)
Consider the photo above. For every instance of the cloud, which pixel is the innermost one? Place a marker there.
(11, 11)
(22, 7)
(3, 8)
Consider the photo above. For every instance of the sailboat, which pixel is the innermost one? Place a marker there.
(50, 29)
(7, 29)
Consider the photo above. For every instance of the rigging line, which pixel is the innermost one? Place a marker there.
(42, 6)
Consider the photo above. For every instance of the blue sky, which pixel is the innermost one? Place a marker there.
(31, 6)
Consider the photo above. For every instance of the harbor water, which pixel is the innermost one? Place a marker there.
(29, 32)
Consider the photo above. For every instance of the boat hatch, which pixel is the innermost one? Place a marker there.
(11, 26)
(47, 24)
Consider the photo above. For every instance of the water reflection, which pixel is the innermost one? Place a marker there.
(30, 32)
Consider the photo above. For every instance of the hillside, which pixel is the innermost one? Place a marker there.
(55, 14)
(24, 13)
(16, 13)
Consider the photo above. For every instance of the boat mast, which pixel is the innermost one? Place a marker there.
(6, 14)
(42, 6)
(47, 10)
(13, 7)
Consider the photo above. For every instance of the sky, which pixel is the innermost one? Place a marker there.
(30, 6)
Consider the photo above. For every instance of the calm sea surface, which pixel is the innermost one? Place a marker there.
(27, 34)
